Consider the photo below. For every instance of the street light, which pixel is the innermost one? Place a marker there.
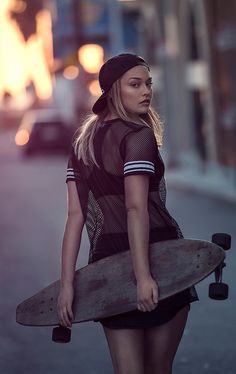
(91, 57)
(94, 88)
(71, 72)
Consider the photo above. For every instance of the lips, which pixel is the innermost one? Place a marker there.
(145, 102)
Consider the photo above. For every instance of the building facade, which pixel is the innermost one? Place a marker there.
(194, 50)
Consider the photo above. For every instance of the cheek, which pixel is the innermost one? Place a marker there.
(128, 96)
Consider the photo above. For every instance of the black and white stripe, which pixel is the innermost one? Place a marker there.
(72, 174)
(139, 166)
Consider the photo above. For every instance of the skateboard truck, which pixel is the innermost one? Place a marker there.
(61, 334)
(219, 290)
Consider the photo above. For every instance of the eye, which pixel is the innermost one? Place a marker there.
(149, 84)
(136, 85)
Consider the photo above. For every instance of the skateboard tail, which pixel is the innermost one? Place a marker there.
(39, 308)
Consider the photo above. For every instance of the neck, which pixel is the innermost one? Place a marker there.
(110, 116)
(134, 118)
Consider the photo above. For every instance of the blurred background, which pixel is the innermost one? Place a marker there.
(50, 55)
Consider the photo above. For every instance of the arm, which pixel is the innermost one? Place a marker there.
(70, 249)
(136, 199)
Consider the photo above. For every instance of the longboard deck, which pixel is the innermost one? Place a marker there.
(107, 287)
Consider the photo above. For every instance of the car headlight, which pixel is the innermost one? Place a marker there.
(22, 137)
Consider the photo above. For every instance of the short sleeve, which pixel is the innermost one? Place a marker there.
(140, 148)
(72, 173)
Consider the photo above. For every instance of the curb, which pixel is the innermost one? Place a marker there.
(209, 184)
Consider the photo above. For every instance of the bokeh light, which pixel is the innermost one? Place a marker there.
(94, 88)
(91, 57)
(71, 72)
(22, 137)
(24, 62)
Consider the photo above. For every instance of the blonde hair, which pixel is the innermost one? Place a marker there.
(84, 138)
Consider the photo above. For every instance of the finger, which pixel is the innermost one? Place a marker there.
(143, 303)
(70, 312)
(155, 295)
(69, 315)
(66, 322)
(63, 322)
(141, 308)
(148, 303)
(60, 316)
(66, 319)
(63, 319)
(149, 307)
(145, 307)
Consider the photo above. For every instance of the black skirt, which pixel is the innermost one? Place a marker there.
(164, 312)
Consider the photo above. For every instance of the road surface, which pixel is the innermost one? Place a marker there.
(32, 217)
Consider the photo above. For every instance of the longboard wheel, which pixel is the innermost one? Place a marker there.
(61, 334)
(218, 291)
(221, 239)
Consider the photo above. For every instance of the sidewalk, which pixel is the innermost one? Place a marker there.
(211, 183)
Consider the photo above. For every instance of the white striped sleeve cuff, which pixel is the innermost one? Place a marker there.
(139, 167)
(72, 174)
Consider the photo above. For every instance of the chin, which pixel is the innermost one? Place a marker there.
(144, 111)
(138, 112)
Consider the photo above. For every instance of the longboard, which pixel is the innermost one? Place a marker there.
(107, 287)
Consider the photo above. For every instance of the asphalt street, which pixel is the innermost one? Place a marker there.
(32, 217)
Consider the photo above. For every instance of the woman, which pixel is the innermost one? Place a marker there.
(115, 185)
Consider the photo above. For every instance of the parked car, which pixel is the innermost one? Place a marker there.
(42, 131)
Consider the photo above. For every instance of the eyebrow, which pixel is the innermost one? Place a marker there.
(149, 79)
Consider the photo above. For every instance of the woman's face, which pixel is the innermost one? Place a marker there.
(136, 90)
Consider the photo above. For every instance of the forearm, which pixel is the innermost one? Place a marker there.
(70, 248)
(138, 233)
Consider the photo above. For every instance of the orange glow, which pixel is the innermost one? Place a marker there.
(22, 137)
(13, 76)
(44, 29)
(23, 62)
(71, 72)
(20, 6)
(91, 57)
(37, 68)
(94, 88)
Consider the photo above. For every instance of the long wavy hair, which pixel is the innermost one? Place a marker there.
(83, 142)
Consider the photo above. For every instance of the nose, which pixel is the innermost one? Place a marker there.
(147, 89)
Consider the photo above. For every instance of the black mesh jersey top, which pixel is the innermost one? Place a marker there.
(121, 149)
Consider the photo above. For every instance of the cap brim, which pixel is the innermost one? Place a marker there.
(100, 104)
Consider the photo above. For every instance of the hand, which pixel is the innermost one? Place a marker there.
(64, 305)
(147, 294)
